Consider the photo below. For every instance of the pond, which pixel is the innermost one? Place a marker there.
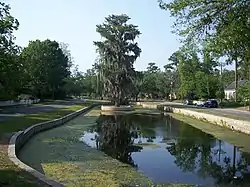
(169, 151)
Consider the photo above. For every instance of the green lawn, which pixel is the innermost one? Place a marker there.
(10, 175)
(231, 104)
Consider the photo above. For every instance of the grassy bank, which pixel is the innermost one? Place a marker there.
(73, 163)
(10, 175)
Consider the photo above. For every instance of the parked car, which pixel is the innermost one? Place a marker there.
(200, 103)
(188, 102)
(195, 102)
(212, 103)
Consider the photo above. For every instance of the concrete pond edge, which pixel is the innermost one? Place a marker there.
(117, 109)
(233, 124)
(20, 138)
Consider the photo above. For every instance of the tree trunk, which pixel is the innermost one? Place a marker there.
(221, 83)
(41, 94)
(136, 96)
(208, 90)
(249, 87)
(236, 79)
(53, 94)
(117, 97)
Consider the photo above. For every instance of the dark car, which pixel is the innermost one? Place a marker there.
(211, 104)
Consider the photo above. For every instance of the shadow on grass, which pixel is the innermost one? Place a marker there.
(20, 123)
(9, 177)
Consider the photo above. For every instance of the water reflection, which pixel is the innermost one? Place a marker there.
(168, 150)
(115, 138)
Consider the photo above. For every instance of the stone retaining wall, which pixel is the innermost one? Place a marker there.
(115, 108)
(20, 138)
(233, 124)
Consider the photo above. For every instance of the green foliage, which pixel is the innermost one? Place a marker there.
(220, 93)
(39, 69)
(152, 68)
(228, 76)
(157, 84)
(244, 93)
(10, 66)
(232, 104)
(90, 83)
(198, 19)
(198, 76)
(117, 54)
(224, 24)
(74, 85)
(46, 67)
(138, 84)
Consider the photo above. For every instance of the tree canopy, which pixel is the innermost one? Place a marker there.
(10, 66)
(117, 53)
(222, 24)
(46, 67)
(213, 33)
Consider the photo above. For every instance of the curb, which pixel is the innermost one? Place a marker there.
(20, 138)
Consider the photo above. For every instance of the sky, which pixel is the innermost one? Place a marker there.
(74, 23)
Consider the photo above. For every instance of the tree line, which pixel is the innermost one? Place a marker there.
(40, 69)
(214, 34)
(219, 28)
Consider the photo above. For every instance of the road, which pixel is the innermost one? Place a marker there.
(225, 111)
(233, 112)
(8, 112)
(33, 109)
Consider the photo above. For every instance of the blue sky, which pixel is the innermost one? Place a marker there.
(74, 22)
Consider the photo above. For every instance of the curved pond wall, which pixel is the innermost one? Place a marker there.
(20, 138)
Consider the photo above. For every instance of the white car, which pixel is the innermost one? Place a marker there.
(200, 103)
(195, 102)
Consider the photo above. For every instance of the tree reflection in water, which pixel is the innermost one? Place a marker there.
(196, 151)
(115, 138)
